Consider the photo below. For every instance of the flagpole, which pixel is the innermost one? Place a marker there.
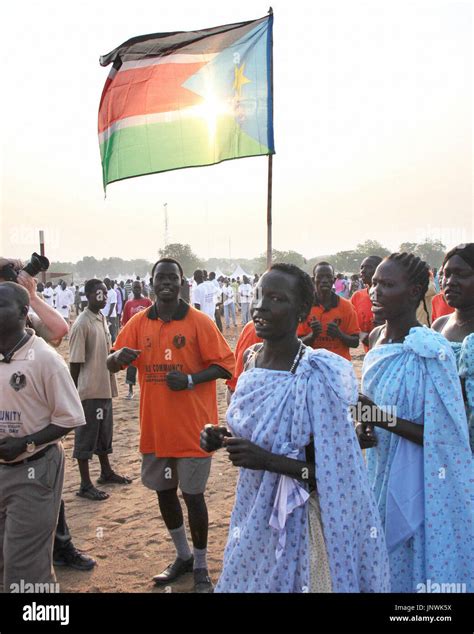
(269, 211)
(41, 239)
(270, 168)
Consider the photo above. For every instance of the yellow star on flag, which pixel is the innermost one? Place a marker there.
(240, 79)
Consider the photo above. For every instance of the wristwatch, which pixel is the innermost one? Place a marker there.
(30, 446)
(190, 382)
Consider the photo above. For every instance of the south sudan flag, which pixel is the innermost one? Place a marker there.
(184, 99)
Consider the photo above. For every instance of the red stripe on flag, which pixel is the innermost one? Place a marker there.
(145, 90)
(108, 81)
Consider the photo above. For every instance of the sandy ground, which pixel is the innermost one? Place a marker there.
(125, 533)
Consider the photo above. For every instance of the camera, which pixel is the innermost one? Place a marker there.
(36, 264)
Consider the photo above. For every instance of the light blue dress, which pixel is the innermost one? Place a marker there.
(464, 352)
(423, 492)
(280, 412)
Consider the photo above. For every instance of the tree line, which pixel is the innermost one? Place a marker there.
(432, 251)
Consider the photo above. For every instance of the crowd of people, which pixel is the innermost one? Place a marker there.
(341, 487)
(223, 297)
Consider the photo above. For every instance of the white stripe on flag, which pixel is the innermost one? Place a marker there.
(178, 58)
(142, 119)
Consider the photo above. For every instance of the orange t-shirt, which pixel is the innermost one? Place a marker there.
(171, 421)
(247, 338)
(440, 307)
(363, 306)
(343, 314)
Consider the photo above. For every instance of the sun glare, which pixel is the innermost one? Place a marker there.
(211, 109)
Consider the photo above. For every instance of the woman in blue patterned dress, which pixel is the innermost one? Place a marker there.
(421, 468)
(458, 327)
(304, 518)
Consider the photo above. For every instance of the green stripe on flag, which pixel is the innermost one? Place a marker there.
(150, 148)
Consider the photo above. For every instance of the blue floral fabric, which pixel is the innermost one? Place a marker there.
(424, 492)
(465, 359)
(282, 412)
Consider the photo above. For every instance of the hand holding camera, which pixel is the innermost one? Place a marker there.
(29, 283)
(9, 263)
(10, 269)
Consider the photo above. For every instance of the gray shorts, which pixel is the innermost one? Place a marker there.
(161, 474)
(95, 437)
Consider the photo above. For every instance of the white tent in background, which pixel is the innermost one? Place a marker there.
(219, 274)
(239, 272)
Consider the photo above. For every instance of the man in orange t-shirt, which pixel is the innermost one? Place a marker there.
(361, 300)
(179, 353)
(332, 323)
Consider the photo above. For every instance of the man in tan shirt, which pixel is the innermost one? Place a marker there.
(48, 324)
(38, 405)
(89, 347)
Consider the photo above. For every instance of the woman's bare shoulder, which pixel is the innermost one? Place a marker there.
(375, 335)
(440, 323)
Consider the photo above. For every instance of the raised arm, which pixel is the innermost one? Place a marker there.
(49, 317)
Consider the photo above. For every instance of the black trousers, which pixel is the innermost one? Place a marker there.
(62, 537)
(217, 316)
(131, 376)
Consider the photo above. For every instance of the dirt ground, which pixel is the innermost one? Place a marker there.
(125, 533)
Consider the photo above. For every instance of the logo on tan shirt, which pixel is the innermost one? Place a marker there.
(18, 381)
(179, 341)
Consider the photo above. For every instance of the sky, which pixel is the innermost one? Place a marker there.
(372, 122)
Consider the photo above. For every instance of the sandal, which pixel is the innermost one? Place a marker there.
(91, 493)
(113, 478)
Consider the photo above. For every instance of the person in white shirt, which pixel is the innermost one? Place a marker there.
(110, 310)
(48, 294)
(245, 292)
(193, 283)
(120, 301)
(64, 300)
(217, 299)
(83, 297)
(212, 278)
(205, 295)
(229, 303)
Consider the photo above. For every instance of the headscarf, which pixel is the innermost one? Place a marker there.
(465, 251)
